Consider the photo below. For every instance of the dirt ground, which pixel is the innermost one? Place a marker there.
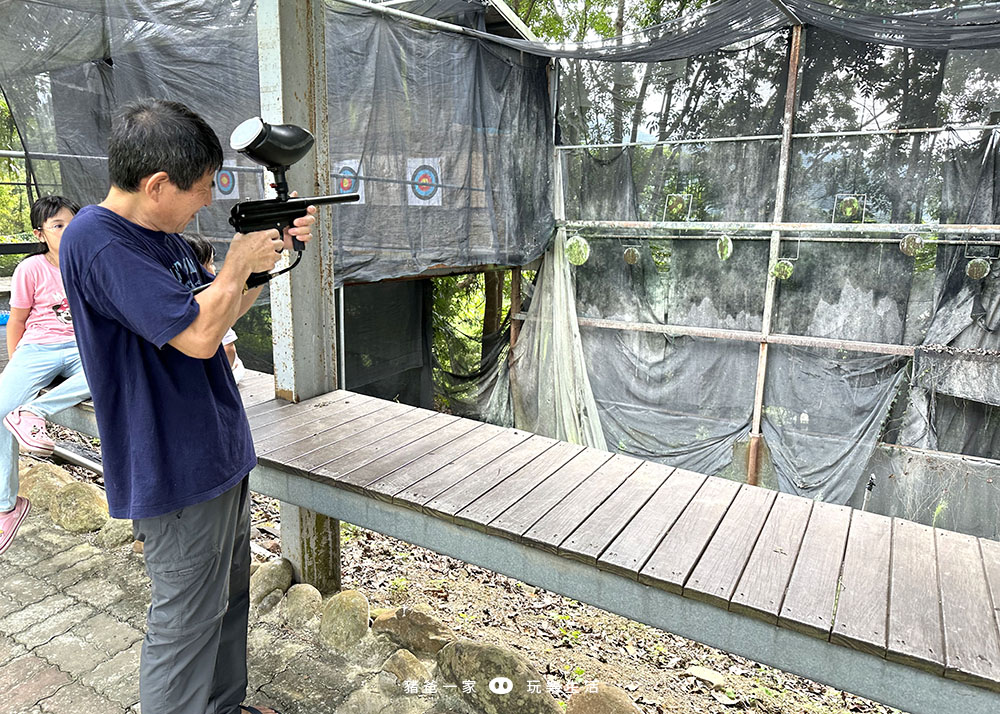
(569, 643)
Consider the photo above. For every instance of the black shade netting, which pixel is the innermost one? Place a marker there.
(446, 138)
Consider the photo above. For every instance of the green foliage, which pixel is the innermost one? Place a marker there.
(459, 306)
(15, 222)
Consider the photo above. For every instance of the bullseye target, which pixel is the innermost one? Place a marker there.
(348, 181)
(347, 178)
(424, 182)
(226, 185)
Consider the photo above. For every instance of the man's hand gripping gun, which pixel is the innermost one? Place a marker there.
(277, 147)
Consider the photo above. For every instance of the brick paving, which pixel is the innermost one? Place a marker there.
(71, 625)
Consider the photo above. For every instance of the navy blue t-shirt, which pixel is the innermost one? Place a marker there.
(173, 429)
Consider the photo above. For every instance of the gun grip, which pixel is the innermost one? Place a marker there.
(297, 244)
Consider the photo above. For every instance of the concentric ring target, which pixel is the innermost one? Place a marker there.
(225, 182)
(347, 182)
(424, 182)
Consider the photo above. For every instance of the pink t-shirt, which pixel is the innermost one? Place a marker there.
(37, 284)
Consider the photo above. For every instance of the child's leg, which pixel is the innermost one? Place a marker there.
(30, 368)
(68, 393)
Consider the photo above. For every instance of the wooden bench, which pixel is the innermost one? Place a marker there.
(885, 608)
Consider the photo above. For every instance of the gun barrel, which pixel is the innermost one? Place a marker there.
(250, 215)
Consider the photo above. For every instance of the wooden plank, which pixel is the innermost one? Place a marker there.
(453, 499)
(971, 644)
(762, 585)
(294, 419)
(601, 527)
(327, 437)
(495, 501)
(385, 430)
(863, 592)
(269, 405)
(990, 550)
(720, 567)
(422, 491)
(386, 486)
(532, 506)
(812, 590)
(632, 548)
(564, 518)
(360, 477)
(396, 436)
(276, 409)
(256, 388)
(915, 634)
(677, 554)
(325, 422)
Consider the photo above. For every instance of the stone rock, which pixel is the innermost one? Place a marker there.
(710, 677)
(41, 481)
(606, 700)
(303, 605)
(377, 612)
(116, 532)
(270, 601)
(372, 699)
(274, 575)
(138, 546)
(463, 660)
(79, 508)
(402, 666)
(415, 628)
(344, 621)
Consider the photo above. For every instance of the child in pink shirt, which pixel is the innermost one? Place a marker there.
(41, 346)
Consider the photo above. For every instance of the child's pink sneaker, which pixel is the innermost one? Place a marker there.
(9, 522)
(29, 430)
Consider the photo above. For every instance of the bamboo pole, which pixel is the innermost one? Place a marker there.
(794, 56)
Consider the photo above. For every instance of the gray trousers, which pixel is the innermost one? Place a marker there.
(194, 656)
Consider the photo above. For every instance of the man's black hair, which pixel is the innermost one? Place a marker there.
(203, 250)
(154, 135)
(47, 206)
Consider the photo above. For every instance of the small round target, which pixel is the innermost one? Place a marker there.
(347, 182)
(424, 182)
(225, 182)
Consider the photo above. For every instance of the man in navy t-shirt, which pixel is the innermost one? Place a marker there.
(175, 441)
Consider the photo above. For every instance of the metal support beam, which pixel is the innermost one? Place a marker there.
(292, 64)
(896, 685)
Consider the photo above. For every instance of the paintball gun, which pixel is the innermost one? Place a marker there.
(276, 147)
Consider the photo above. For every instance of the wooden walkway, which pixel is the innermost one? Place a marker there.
(911, 611)
(891, 588)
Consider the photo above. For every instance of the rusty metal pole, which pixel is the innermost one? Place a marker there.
(791, 92)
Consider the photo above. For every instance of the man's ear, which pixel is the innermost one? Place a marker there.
(154, 184)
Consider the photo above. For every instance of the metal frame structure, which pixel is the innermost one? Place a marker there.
(775, 232)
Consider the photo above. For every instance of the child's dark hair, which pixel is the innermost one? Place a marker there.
(154, 135)
(203, 250)
(47, 206)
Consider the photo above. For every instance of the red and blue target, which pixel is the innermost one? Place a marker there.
(424, 182)
(347, 181)
(225, 182)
